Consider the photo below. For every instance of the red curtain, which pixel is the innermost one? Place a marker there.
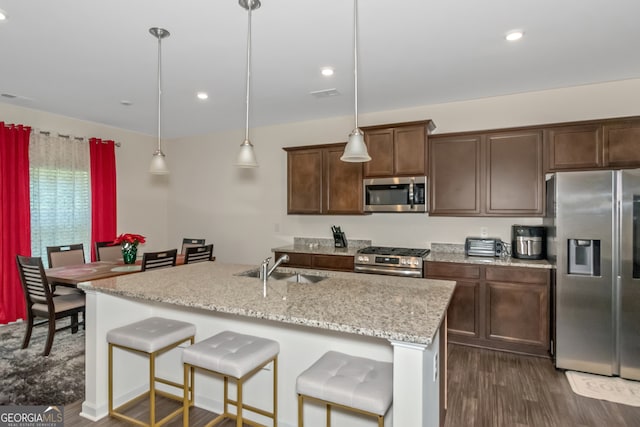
(15, 217)
(103, 192)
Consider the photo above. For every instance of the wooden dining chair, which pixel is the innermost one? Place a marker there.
(198, 254)
(60, 256)
(153, 260)
(190, 243)
(105, 251)
(42, 303)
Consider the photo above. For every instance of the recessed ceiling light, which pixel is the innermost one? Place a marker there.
(514, 35)
(327, 71)
(3, 15)
(202, 95)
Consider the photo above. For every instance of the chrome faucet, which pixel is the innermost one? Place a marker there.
(265, 271)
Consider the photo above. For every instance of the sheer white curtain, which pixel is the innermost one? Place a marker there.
(60, 186)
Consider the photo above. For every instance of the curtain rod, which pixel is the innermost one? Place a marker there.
(77, 138)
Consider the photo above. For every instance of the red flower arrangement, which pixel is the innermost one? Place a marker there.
(131, 239)
(129, 243)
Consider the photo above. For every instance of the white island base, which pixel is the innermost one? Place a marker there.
(417, 379)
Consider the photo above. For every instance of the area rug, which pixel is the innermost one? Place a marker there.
(613, 389)
(28, 378)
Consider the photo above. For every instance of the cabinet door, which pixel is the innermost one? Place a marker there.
(333, 262)
(409, 151)
(574, 147)
(304, 181)
(514, 174)
(517, 307)
(463, 315)
(380, 146)
(343, 184)
(296, 259)
(622, 144)
(455, 175)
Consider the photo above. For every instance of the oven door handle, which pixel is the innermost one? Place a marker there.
(381, 270)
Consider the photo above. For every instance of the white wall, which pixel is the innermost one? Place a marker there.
(243, 212)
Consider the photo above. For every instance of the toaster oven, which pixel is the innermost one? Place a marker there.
(483, 246)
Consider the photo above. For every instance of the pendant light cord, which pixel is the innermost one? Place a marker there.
(355, 57)
(159, 88)
(246, 129)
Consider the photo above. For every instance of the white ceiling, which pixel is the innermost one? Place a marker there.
(81, 58)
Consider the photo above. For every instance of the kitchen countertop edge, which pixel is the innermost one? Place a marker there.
(218, 287)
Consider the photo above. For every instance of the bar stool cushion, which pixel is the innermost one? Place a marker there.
(230, 353)
(151, 334)
(351, 381)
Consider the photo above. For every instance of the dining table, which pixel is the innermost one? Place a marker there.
(77, 273)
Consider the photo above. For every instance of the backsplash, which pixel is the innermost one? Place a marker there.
(316, 242)
(447, 248)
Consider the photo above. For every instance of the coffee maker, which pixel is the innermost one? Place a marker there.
(528, 242)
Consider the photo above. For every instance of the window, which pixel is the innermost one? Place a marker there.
(60, 186)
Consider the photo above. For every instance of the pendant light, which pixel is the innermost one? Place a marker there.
(158, 162)
(247, 157)
(356, 149)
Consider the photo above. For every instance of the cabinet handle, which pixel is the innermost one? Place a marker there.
(411, 202)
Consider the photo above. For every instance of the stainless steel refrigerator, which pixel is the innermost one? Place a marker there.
(594, 220)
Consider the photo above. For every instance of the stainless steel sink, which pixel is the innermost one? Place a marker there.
(289, 277)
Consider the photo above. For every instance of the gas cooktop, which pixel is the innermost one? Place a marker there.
(391, 251)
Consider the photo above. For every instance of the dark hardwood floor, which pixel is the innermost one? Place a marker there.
(486, 389)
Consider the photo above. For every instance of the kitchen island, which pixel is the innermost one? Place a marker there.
(387, 318)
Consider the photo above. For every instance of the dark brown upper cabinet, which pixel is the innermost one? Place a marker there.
(574, 147)
(622, 143)
(319, 183)
(397, 149)
(602, 144)
(455, 175)
(492, 174)
(514, 173)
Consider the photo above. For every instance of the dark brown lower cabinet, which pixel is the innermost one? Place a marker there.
(503, 308)
(318, 261)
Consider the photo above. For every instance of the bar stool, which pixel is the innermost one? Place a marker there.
(232, 355)
(353, 383)
(151, 337)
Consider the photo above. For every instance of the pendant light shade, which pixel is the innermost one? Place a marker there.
(158, 161)
(356, 149)
(247, 157)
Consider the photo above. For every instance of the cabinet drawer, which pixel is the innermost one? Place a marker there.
(295, 259)
(451, 270)
(517, 275)
(333, 262)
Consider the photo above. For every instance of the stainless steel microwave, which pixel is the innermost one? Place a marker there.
(400, 194)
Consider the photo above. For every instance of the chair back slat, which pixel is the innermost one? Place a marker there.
(198, 254)
(153, 260)
(59, 256)
(190, 243)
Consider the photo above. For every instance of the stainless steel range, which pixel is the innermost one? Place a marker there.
(392, 261)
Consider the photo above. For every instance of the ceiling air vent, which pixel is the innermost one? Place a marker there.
(325, 93)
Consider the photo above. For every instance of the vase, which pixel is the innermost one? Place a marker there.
(129, 253)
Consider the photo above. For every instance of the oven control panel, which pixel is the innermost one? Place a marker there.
(394, 261)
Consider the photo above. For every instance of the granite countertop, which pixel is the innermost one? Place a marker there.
(393, 308)
(498, 261)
